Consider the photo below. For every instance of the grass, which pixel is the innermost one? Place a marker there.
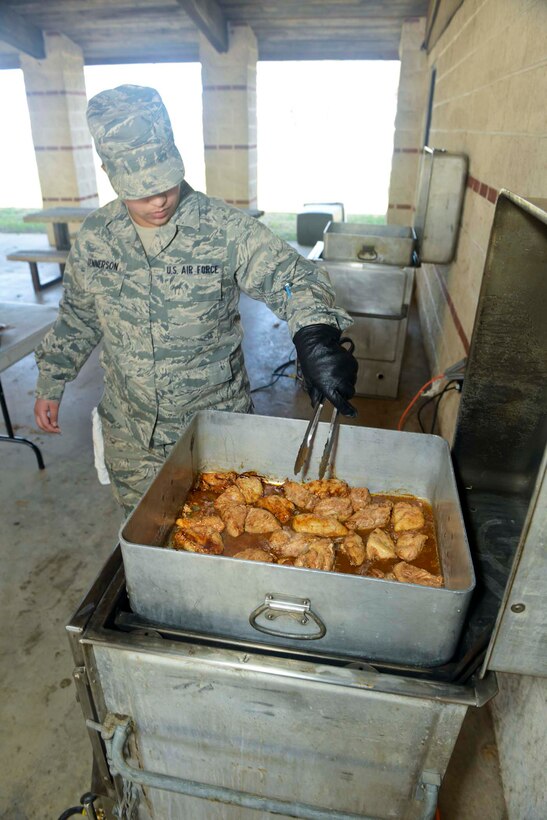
(11, 221)
(283, 224)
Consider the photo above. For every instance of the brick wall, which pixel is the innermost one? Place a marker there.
(489, 103)
(56, 95)
(409, 123)
(229, 118)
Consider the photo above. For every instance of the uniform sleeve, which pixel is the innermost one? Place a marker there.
(76, 332)
(296, 289)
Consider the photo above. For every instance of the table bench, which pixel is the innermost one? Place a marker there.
(33, 256)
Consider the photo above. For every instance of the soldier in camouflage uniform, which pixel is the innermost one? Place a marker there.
(156, 277)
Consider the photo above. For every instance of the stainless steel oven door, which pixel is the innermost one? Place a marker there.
(325, 741)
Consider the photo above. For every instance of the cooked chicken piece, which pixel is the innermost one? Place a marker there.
(374, 572)
(360, 497)
(232, 495)
(286, 562)
(259, 521)
(380, 546)
(318, 525)
(416, 575)
(234, 516)
(216, 481)
(290, 544)
(326, 487)
(199, 534)
(252, 554)
(318, 556)
(409, 545)
(339, 508)
(231, 506)
(281, 543)
(205, 541)
(251, 487)
(407, 516)
(299, 495)
(212, 522)
(278, 505)
(354, 547)
(373, 515)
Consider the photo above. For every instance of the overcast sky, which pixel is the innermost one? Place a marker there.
(325, 131)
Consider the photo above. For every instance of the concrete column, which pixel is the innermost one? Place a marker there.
(409, 123)
(57, 104)
(229, 118)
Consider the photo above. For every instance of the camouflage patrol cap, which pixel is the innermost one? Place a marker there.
(133, 137)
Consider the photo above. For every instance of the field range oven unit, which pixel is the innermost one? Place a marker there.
(372, 268)
(186, 722)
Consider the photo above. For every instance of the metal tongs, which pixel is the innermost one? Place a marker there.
(305, 447)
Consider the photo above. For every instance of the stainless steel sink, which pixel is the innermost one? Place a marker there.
(383, 244)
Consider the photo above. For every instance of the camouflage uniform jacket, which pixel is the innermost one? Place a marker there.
(170, 323)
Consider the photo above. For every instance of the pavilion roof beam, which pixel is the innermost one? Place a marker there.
(210, 20)
(21, 35)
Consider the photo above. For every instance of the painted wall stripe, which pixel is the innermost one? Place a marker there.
(241, 202)
(60, 93)
(69, 198)
(229, 88)
(230, 147)
(62, 147)
(482, 189)
(452, 308)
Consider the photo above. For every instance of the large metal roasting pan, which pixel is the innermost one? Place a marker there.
(289, 606)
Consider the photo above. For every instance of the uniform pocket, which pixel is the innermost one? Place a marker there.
(104, 278)
(192, 307)
(211, 374)
(105, 284)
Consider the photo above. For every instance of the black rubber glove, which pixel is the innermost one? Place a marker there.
(329, 369)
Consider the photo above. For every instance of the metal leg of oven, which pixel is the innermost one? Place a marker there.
(11, 435)
(88, 693)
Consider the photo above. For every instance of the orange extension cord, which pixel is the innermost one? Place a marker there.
(409, 407)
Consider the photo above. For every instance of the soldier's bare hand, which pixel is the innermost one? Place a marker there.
(46, 413)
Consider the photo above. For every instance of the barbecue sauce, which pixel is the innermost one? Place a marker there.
(201, 501)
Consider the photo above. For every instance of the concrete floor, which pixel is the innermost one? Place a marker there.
(60, 524)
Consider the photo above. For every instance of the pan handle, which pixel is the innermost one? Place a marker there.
(299, 609)
(368, 253)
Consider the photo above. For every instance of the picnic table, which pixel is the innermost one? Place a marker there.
(22, 327)
(60, 219)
